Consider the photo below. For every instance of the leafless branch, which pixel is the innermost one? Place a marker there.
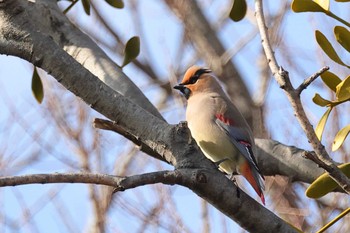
(310, 79)
(109, 125)
(119, 183)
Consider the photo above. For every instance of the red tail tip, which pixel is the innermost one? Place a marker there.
(262, 198)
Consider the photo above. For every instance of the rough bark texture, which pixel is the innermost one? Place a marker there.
(275, 158)
(53, 23)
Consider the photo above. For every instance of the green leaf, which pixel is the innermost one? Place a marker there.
(322, 123)
(327, 47)
(86, 5)
(340, 137)
(323, 3)
(306, 6)
(343, 37)
(331, 80)
(325, 184)
(132, 50)
(321, 101)
(238, 10)
(37, 86)
(343, 90)
(116, 3)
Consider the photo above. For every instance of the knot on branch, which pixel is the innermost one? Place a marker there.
(199, 177)
(182, 130)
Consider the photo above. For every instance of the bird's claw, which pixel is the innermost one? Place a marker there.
(235, 182)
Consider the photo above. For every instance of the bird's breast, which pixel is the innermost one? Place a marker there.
(213, 141)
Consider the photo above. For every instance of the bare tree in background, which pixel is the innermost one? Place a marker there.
(82, 53)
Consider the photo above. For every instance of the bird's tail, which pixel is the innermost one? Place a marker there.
(254, 178)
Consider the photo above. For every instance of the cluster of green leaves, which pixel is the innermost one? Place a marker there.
(340, 87)
(131, 50)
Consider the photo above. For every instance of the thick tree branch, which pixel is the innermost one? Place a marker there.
(273, 157)
(19, 37)
(53, 23)
(283, 80)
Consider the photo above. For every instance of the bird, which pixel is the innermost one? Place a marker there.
(219, 129)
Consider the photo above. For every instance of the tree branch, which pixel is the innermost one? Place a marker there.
(119, 183)
(83, 49)
(109, 125)
(195, 179)
(274, 158)
(283, 80)
(309, 80)
(21, 38)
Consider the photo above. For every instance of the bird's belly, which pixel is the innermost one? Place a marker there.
(216, 146)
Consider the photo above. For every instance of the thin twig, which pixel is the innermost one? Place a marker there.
(336, 219)
(310, 79)
(265, 40)
(282, 78)
(109, 125)
(119, 183)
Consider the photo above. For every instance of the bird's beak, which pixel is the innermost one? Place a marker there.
(180, 87)
(184, 90)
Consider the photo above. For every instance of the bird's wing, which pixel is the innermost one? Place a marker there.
(239, 137)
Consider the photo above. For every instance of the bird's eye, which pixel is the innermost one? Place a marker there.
(193, 79)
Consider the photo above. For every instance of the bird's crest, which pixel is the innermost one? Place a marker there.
(193, 74)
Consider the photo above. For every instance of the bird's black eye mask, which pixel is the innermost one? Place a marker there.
(194, 78)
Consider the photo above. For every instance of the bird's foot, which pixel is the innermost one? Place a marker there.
(235, 182)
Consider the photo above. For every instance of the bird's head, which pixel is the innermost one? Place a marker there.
(196, 80)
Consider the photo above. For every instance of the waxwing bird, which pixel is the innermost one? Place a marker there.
(219, 128)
